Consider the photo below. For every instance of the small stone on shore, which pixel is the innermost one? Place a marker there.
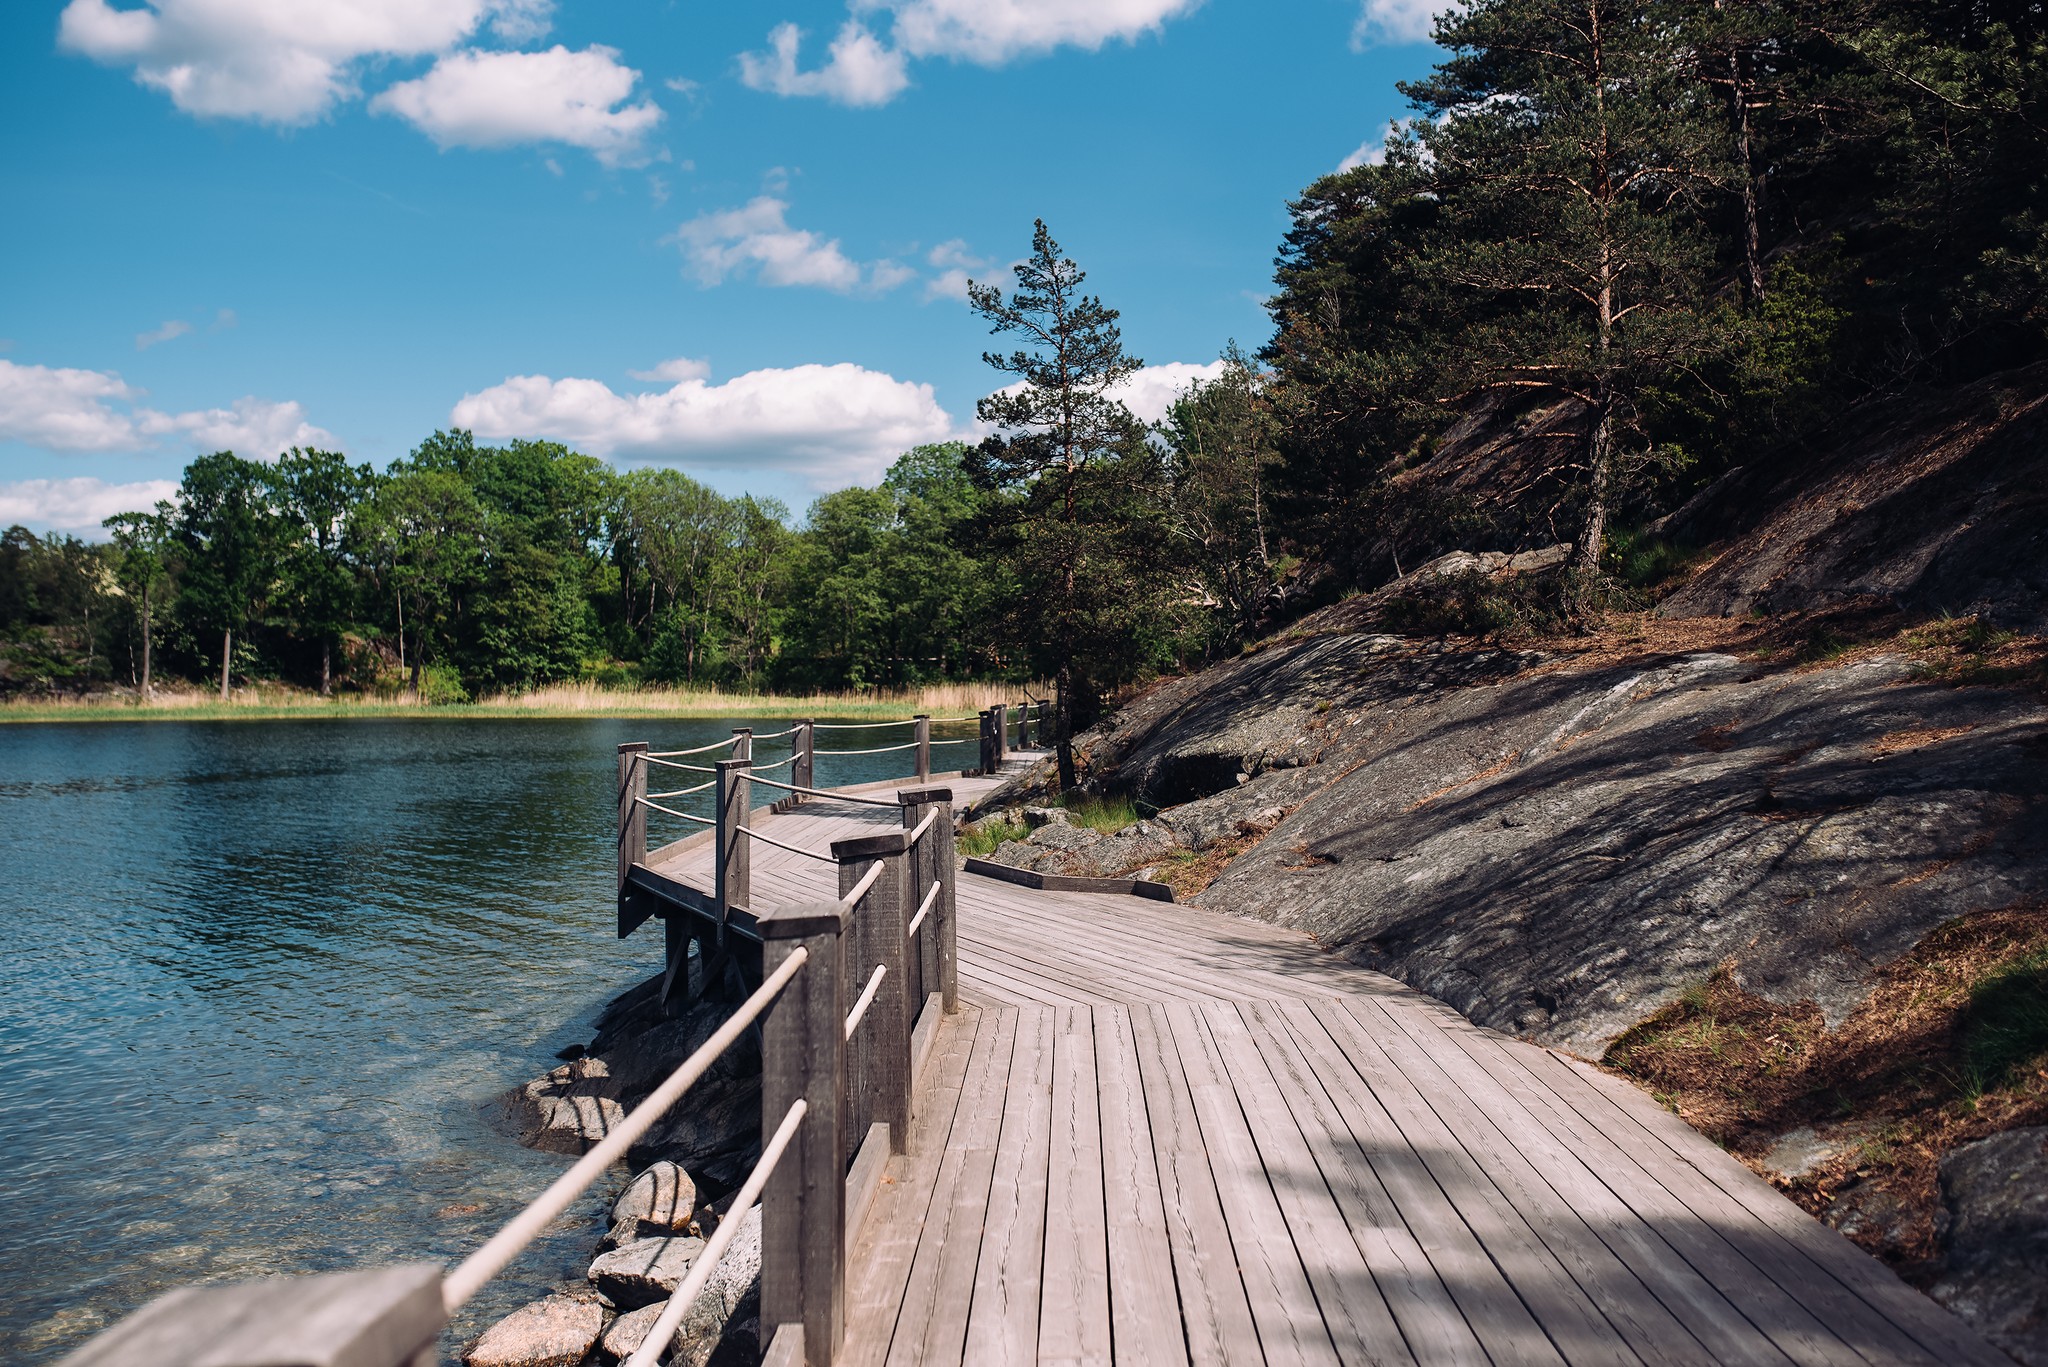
(555, 1331)
(644, 1271)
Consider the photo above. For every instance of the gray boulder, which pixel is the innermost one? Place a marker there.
(644, 1271)
(728, 1298)
(556, 1331)
(567, 1111)
(660, 1201)
(1996, 1241)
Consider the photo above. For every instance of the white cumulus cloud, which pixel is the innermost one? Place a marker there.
(279, 61)
(93, 410)
(757, 237)
(497, 99)
(863, 69)
(255, 429)
(77, 505)
(991, 32)
(1148, 394)
(830, 425)
(1397, 21)
(858, 69)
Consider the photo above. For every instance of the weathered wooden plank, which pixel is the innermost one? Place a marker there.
(1559, 1214)
(1481, 1289)
(1793, 1331)
(884, 1256)
(1002, 1322)
(1361, 1327)
(1290, 1325)
(1431, 1323)
(1842, 1286)
(1073, 1314)
(936, 1302)
(378, 1317)
(1572, 1322)
(1144, 1307)
(1214, 1309)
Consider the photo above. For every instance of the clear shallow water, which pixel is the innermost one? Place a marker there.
(257, 977)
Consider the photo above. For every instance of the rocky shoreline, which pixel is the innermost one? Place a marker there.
(655, 1228)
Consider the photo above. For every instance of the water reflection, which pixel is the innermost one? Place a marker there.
(258, 977)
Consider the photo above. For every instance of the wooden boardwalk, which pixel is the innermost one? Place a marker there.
(1155, 1134)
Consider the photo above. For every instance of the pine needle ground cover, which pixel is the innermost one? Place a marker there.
(1951, 1047)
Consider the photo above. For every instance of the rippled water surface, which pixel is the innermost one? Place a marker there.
(257, 978)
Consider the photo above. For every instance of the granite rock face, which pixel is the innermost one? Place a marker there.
(556, 1331)
(1558, 851)
(662, 1200)
(567, 1111)
(1995, 1244)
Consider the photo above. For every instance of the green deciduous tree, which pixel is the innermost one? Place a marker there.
(144, 542)
(228, 537)
(315, 492)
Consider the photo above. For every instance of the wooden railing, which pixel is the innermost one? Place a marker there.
(849, 998)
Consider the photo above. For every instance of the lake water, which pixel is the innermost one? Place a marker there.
(257, 978)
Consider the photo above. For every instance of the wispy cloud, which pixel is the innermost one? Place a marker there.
(172, 329)
(500, 99)
(69, 410)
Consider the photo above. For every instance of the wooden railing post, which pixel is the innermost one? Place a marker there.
(924, 747)
(632, 816)
(1024, 723)
(878, 1055)
(1002, 733)
(938, 941)
(803, 1058)
(743, 743)
(988, 764)
(732, 882)
(804, 742)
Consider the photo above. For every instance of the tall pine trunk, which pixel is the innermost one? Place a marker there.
(326, 668)
(145, 642)
(1063, 708)
(227, 655)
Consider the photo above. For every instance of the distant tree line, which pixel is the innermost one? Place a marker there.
(1622, 247)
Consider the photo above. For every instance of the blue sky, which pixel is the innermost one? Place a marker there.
(726, 238)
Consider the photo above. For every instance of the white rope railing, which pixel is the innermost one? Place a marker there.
(670, 811)
(860, 889)
(501, 1248)
(964, 740)
(725, 744)
(664, 1327)
(782, 845)
(859, 725)
(778, 735)
(685, 792)
(922, 911)
(923, 826)
(671, 764)
(827, 793)
(878, 750)
(867, 994)
(786, 759)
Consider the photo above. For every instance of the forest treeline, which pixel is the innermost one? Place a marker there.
(1632, 243)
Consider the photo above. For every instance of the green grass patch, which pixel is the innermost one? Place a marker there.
(2005, 1027)
(1105, 814)
(980, 839)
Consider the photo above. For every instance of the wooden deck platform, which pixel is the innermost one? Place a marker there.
(1155, 1134)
